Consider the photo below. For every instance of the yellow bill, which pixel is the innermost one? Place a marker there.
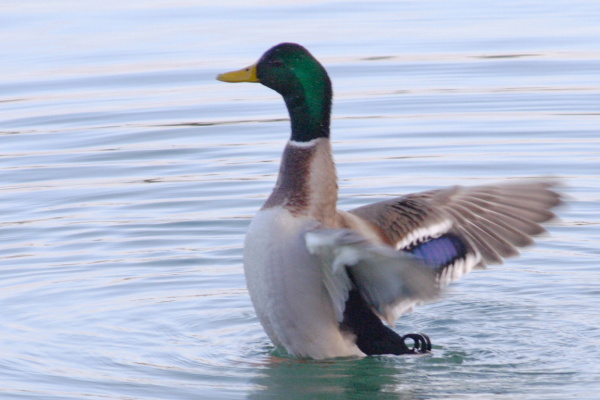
(243, 75)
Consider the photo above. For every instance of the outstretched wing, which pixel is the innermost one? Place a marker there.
(456, 229)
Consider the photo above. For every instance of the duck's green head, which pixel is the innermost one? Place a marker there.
(293, 72)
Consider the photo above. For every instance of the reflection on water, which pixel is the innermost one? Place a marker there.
(339, 379)
(129, 176)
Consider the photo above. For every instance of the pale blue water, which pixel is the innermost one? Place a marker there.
(128, 176)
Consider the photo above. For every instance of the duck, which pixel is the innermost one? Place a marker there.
(329, 283)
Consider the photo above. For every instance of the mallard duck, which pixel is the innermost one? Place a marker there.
(325, 282)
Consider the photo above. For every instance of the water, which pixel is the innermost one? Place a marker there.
(128, 176)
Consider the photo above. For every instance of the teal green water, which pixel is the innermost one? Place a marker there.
(128, 176)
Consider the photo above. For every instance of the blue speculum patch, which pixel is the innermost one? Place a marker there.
(440, 251)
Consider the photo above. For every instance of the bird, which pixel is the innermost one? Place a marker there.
(329, 283)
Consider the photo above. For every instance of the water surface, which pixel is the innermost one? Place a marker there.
(128, 177)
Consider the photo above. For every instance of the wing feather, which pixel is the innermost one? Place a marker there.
(493, 221)
(385, 277)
